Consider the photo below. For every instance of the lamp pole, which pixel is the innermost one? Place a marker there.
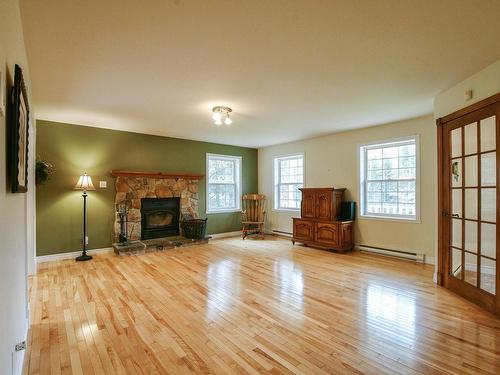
(84, 183)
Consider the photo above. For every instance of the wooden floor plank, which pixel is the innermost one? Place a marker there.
(254, 307)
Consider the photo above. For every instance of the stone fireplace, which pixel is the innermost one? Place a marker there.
(156, 203)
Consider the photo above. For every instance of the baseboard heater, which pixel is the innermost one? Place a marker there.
(281, 233)
(394, 253)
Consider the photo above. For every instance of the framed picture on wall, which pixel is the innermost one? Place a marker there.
(18, 126)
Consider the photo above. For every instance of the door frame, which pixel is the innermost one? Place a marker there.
(443, 230)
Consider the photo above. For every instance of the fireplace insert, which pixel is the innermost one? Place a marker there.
(159, 217)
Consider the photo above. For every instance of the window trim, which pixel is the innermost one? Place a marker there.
(276, 178)
(362, 165)
(239, 183)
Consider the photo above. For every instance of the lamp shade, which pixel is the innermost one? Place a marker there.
(84, 183)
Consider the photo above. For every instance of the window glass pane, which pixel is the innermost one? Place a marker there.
(375, 164)
(374, 154)
(220, 170)
(290, 177)
(470, 203)
(471, 171)
(488, 138)
(489, 204)
(407, 150)
(471, 236)
(390, 186)
(470, 138)
(488, 275)
(390, 152)
(456, 202)
(456, 233)
(223, 182)
(456, 263)
(222, 196)
(374, 186)
(488, 240)
(470, 275)
(488, 169)
(456, 142)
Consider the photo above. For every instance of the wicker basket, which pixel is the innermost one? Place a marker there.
(194, 228)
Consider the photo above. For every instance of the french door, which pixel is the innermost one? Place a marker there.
(469, 203)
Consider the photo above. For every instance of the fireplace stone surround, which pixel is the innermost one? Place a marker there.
(134, 189)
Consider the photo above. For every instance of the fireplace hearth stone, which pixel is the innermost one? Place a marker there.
(157, 244)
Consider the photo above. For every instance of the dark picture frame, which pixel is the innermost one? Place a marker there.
(19, 130)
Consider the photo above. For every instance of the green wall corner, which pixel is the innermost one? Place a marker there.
(75, 149)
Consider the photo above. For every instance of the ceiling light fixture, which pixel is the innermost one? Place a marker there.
(221, 114)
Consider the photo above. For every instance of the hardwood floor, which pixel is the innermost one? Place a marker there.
(254, 307)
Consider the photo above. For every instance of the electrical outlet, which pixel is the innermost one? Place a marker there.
(86, 240)
(103, 184)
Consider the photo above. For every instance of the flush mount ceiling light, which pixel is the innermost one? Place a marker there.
(221, 114)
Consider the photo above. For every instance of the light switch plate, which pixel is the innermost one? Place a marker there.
(468, 94)
(103, 184)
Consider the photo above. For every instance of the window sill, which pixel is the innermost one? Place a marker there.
(223, 211)
(286, 210)
(390, 218)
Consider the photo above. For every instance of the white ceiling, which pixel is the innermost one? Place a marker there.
(290, 69)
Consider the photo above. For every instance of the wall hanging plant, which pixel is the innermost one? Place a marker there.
(43, 171)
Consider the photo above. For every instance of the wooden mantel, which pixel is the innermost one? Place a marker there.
(184, 176)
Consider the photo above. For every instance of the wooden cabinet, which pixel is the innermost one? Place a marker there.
(321, 203)
(319, 224)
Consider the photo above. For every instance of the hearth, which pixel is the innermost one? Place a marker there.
(159, 217)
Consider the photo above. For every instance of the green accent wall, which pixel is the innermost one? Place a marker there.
(76, 149)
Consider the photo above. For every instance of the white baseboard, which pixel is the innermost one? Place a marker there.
(216, 236)
(18, 357)
(71, 255)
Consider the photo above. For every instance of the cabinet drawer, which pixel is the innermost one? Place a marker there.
(327, 233)
(303, 230)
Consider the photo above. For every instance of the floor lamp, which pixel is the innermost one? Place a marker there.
(84, 183)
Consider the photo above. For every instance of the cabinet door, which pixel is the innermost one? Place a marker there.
(346, 235)
(327, 233)
(337, 204)
(303, 230)
(324, 205)
(308, 204)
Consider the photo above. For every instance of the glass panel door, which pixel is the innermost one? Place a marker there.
(472, 184)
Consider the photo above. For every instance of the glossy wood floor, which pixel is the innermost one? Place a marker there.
(254, 307)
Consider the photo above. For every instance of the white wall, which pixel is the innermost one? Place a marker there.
(483, 84)
(332, 160)
(14, 217)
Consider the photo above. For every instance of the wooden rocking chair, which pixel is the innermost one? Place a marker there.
(253, 214)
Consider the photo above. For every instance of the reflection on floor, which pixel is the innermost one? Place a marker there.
(256, 307)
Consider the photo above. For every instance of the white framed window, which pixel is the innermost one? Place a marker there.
(288, 178)
(389, 179)
(223, 183)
